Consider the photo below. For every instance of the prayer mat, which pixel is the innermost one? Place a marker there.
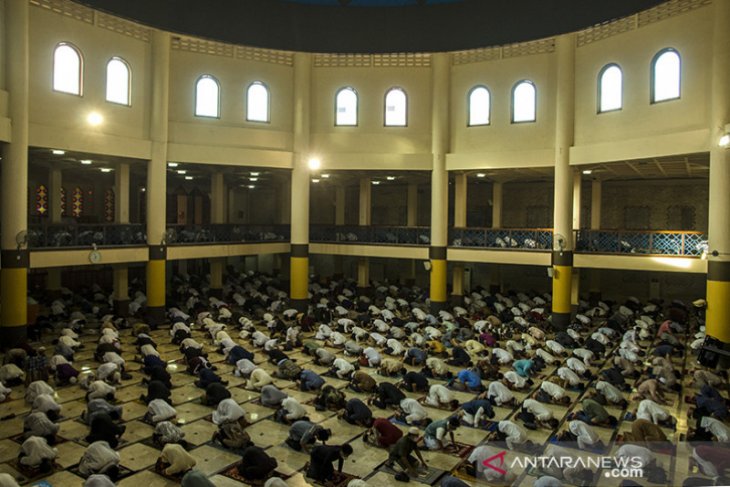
(33, 474)
(21, 438)
(151, 443)
(220, 446)
(232, 473)
(123, 472)
(424, 476)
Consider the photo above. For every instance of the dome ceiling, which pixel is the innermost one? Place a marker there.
(371, 26)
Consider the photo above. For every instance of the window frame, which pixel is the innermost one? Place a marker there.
(652, 76)
(512, 101)
(80, 73)
(268, 101)
(599, 90)
(385, 107)
(468, 107)
(218, 108)
(129, 82)
(357, 106)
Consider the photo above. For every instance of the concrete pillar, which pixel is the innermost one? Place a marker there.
(54, 282)
(718, 265)
(218, 193)
(596, 191)
(55, 183)
(412, 205)
(299, 261)
(577, 185)
(460, 209)
(496, 205)
(121, 194)
(285, 203)
(339, 205)
(121, 290)
(562, 257)
(440, 73)
(14, 258)
(363, 275)
(157, 178)
(366, 202)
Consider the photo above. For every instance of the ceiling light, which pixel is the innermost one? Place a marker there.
(376, 183)
(254, 174)
(315, 180)
(251, 186)
(85, 162)
(181, 171)
(724, 140)
(172, 164)
(390, 178)
(189, 178)
(106, 169)
(587, 171)
(94, 119)
(58, 152)
(481, 175)
(253, 180)
(326, 176)
(314, 163)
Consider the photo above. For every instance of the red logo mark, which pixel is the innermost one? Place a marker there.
(499, 456)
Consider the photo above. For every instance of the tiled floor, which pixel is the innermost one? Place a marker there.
(213, 461)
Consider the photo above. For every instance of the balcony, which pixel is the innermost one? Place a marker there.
(539, 239)
(379, 235)
(83, 235)
(649, 242)
(225, 233)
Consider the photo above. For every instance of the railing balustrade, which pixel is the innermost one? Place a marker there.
(60, 235)
(650, 242)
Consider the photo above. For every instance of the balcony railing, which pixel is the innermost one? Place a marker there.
(502, 238)
(225, 233)
(370, 234)
(641, 242)
(85, 235)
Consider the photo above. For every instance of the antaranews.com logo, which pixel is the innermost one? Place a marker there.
(612, 467)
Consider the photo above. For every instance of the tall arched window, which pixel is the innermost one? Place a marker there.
(666, 75)
(610, 88)
(523, 102)
(207, 97)
(479, 106)
(396, 108)
(117, 81)
(67, 69)
(257, 102)
(346, 107)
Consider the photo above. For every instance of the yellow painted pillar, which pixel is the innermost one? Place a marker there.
(460, 212)
(218, 193)
(718, 265)
(300, 181)
(157, 179)
(440, 72)
(121, 194)
(55, 182)
(121, 290)
(363, 275)
(14, 257)
(562, 256)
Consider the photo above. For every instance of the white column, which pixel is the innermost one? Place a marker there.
(121, 194)
(496, 205)
(55, 182)
(596, 194)
(218, 194)
(412, 218)
(577, 185)
(460, 200)
(366, 202)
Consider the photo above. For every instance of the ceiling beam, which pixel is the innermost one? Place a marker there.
(661, 169)
(635, 169)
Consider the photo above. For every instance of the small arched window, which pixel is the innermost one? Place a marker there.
(610, 88)
(396, 108)
(666, 75)
(257, 102)
(67, 69)
(207, 97)
(117, 81)
(523, 102)
(346, 107)
(479, 106)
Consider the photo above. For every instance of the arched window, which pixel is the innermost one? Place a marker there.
(666, 75)
(479, 106)
(67, 69)
(117, 81)
(207, 97)
(396, 108)
(257, 102)
(610, 88)
(523, 102)
(346, 107)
